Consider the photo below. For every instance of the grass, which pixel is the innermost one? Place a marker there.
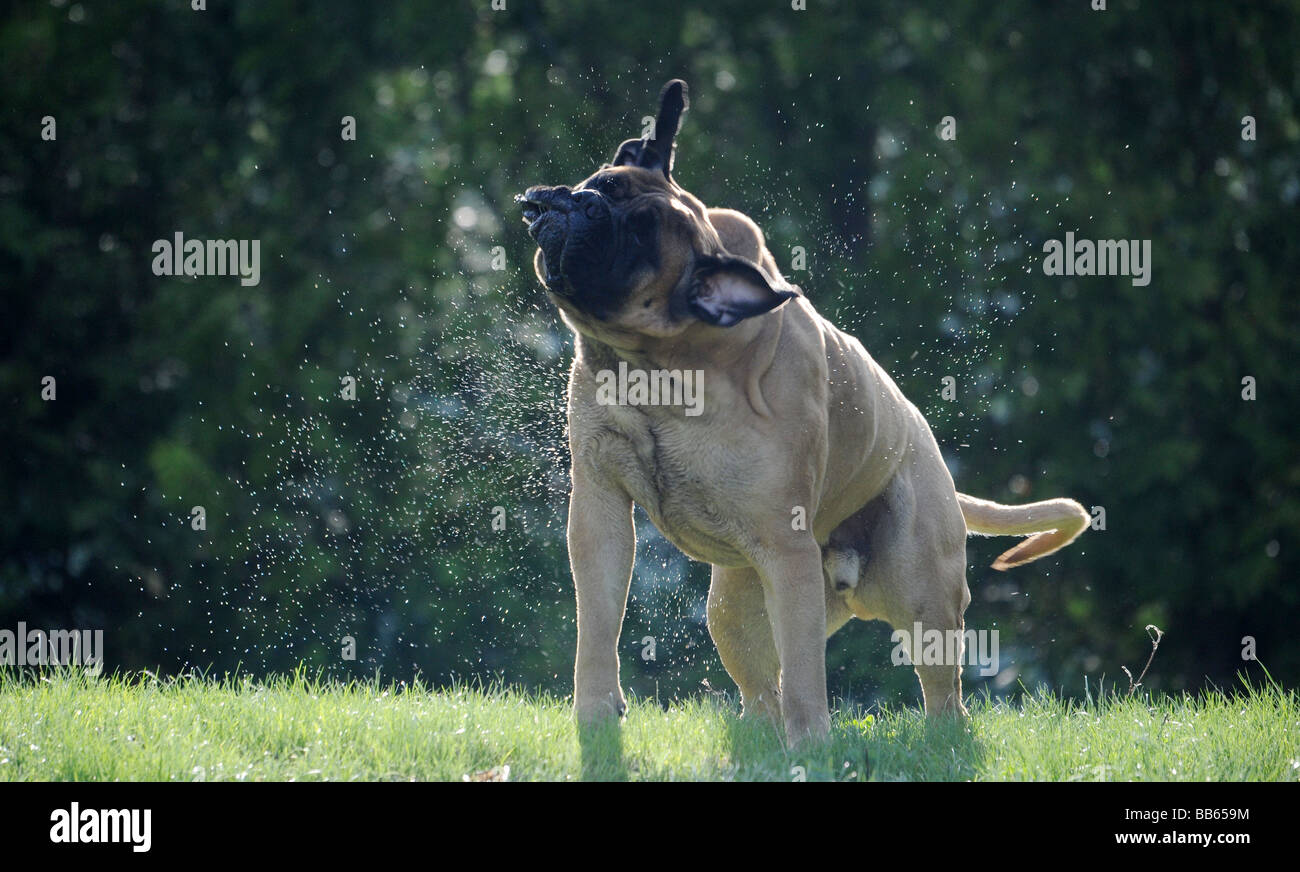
(72, 727)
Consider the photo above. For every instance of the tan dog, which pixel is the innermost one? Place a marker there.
(799, 432)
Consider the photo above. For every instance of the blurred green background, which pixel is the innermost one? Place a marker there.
(373, 518)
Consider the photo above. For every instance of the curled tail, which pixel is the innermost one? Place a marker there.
(1053, 523)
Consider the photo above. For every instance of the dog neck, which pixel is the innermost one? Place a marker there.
(742, 354)
(700, 346)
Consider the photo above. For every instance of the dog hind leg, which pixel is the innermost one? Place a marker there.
(922, 577)
(941, 683)
(940, 619)
(741, 630)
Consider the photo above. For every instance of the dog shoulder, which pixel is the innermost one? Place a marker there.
(607, 440)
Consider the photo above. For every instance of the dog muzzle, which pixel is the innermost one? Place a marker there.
(574, 230)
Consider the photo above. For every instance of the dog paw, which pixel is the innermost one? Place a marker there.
(763, 707)
(594, 710)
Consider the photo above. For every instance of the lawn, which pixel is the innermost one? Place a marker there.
(73, 727)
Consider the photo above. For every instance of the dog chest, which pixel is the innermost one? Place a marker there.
(693, 489)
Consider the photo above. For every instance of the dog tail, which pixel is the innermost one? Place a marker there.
(1052, 523)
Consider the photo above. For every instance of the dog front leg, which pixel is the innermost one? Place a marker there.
(796, 601)
(602, 542)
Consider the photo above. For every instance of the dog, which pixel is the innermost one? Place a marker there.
(801, 441)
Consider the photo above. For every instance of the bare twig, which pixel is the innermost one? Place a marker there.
(1155, 644)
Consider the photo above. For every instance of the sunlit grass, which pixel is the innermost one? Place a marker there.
(73, 727)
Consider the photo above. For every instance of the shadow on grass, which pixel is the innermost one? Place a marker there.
(601, 747)
(891, 746)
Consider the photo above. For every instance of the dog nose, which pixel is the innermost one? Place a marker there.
(545, 198)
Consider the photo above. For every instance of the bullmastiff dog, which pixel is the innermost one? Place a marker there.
(807, 480)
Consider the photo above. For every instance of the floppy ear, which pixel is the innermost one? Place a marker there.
(726, 290)
(656, 153)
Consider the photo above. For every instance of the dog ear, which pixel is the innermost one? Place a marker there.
(726, 289)
(628, 153)
(656, 152)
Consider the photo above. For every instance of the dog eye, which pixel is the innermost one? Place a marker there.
(609, 185)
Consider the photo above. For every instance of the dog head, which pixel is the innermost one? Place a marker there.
(629, 251)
